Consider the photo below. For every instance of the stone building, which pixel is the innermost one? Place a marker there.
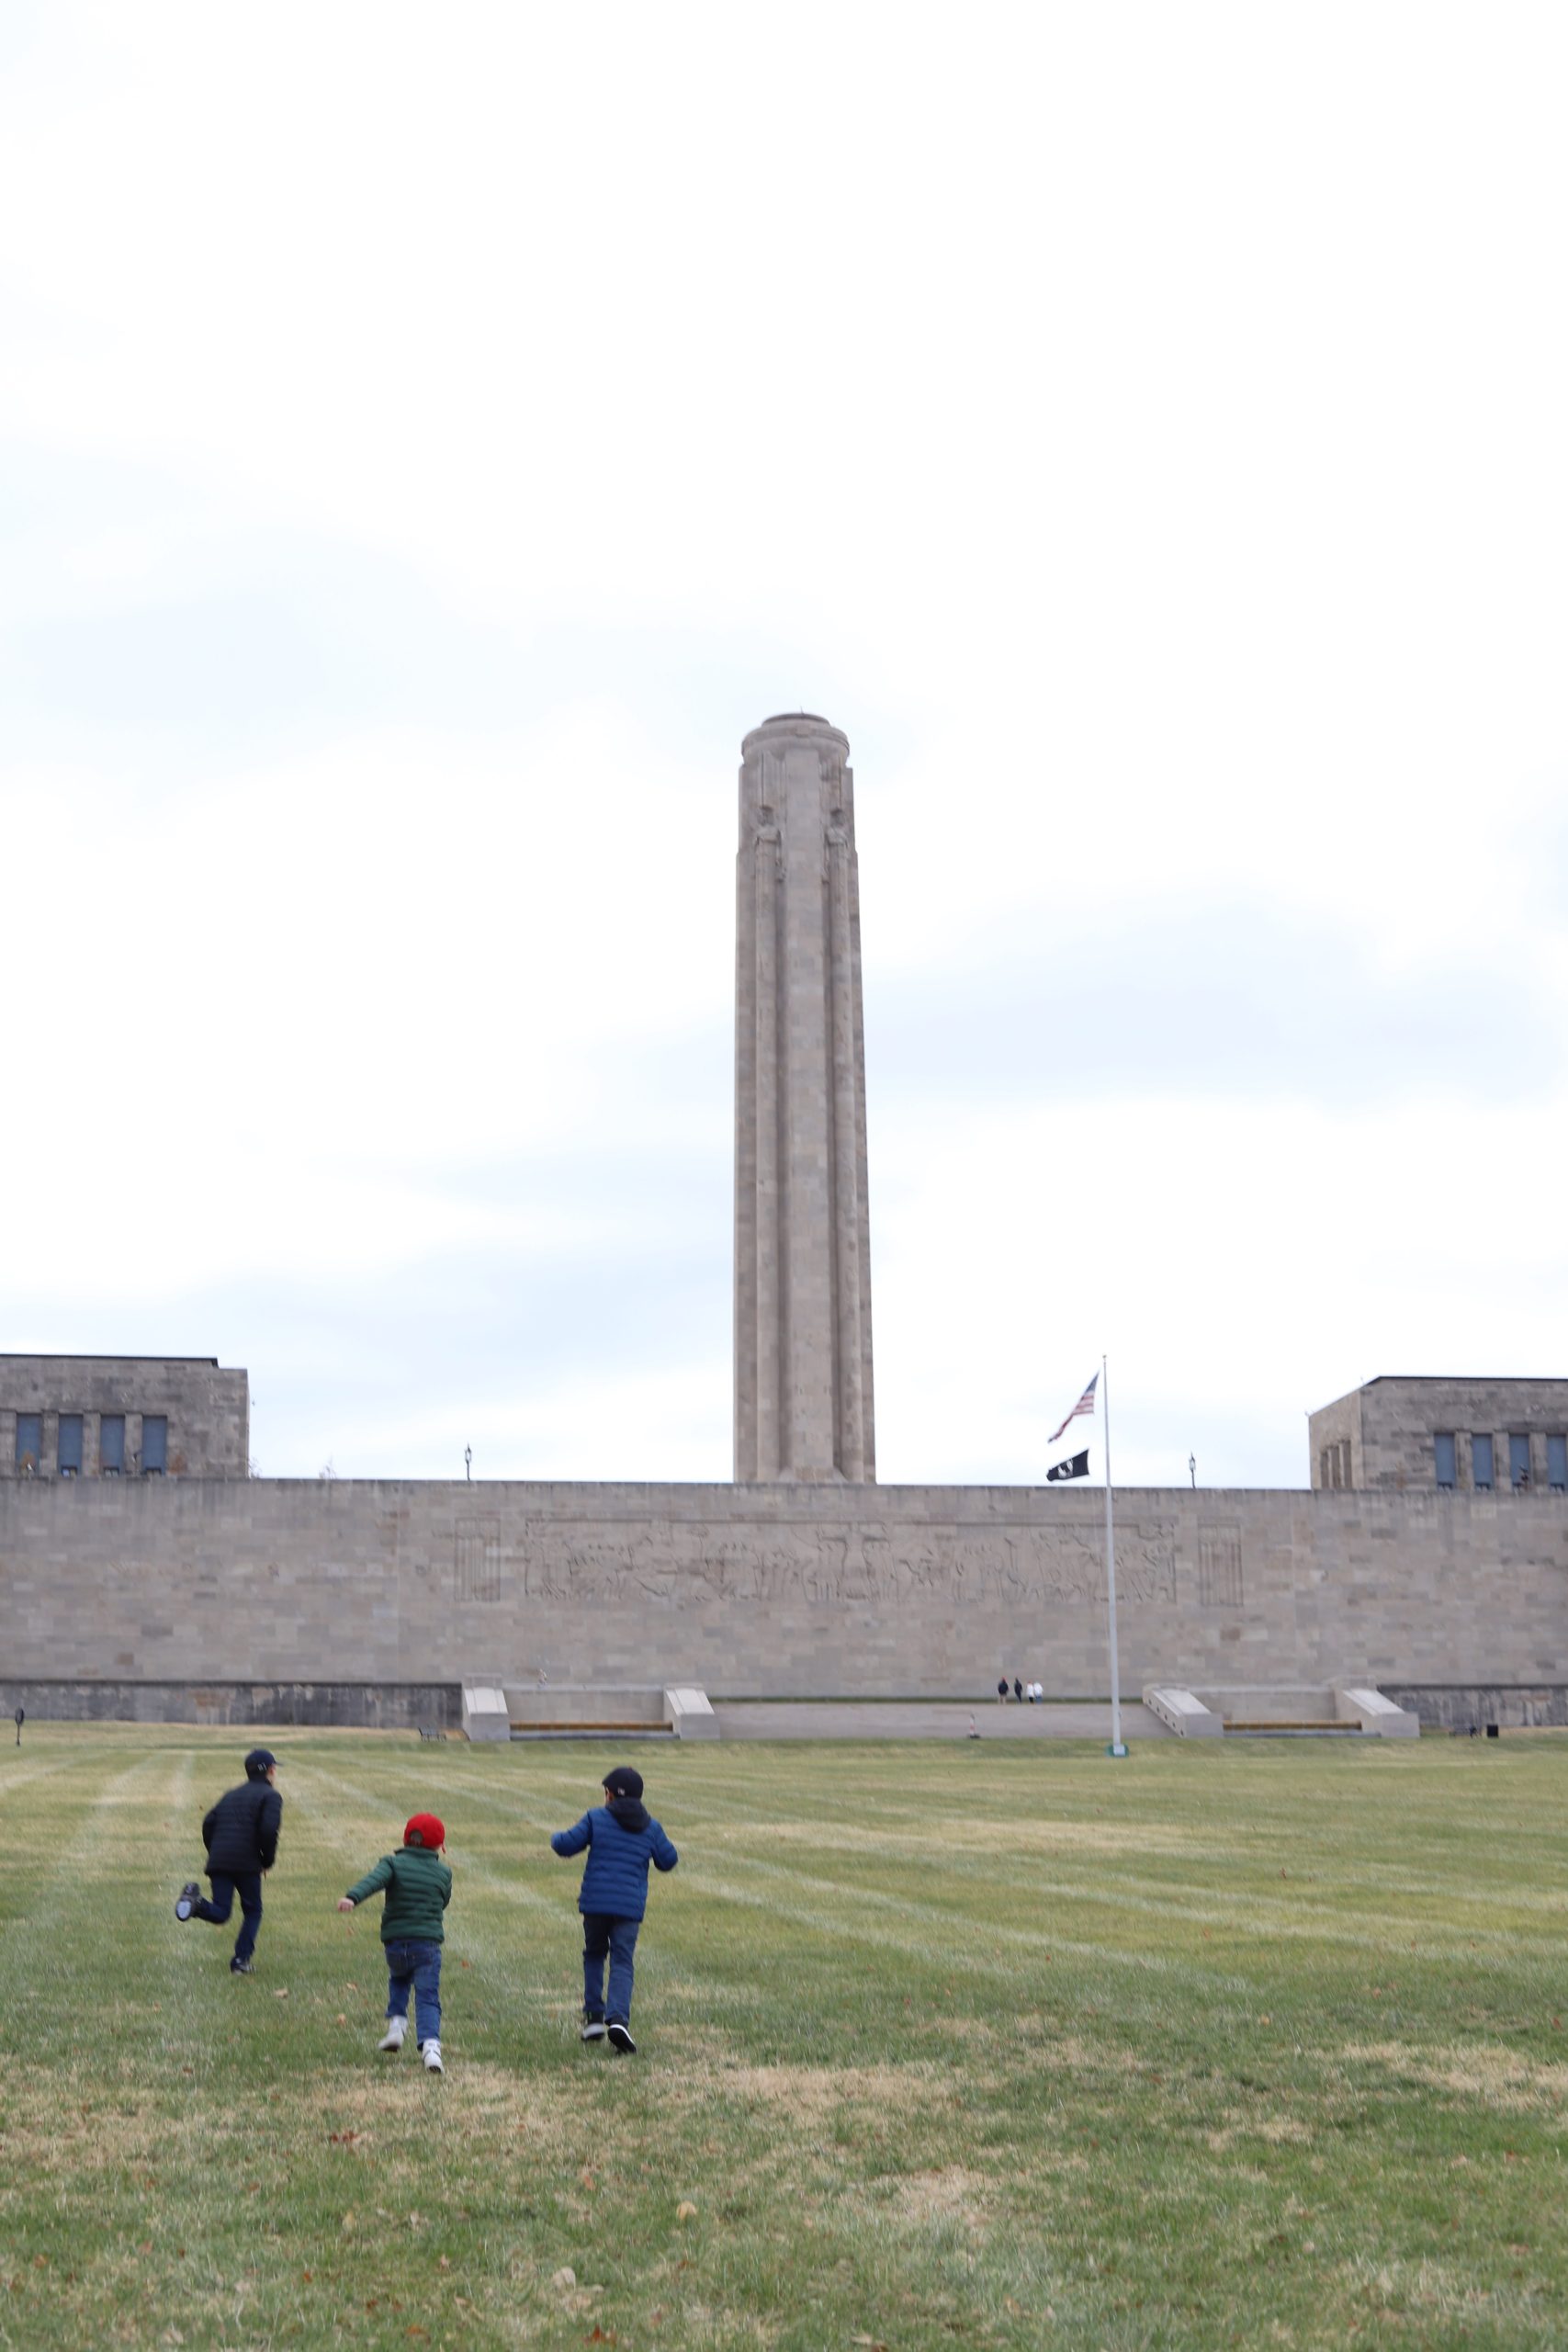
(143, 1573)
(122, 1417)
(1412, 1433)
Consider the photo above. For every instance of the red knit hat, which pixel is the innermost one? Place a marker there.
(425, 1829)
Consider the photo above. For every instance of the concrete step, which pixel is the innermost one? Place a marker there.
(665, 1732)
(1293, 1731)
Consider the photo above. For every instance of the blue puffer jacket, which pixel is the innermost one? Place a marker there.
(615, 1883)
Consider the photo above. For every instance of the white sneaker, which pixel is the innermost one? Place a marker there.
(393, 2037)
(433, 2058)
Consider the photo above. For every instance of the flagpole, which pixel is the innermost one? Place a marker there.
(1116, 1747)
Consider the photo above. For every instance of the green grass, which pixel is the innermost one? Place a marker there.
(967, 2045)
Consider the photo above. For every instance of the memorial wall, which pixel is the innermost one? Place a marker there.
(773, 1590)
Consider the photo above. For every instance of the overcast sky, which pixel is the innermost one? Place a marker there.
(429, 439)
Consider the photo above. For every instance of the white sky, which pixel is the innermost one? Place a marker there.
(429, 439)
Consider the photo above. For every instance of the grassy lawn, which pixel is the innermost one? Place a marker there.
(957, 2045)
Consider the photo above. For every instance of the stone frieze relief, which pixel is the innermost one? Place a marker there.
(681, 1566)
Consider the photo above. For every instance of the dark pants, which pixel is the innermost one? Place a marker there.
(413, 1965)
(616, 1938)
(246, 1885)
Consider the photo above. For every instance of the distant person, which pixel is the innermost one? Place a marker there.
(1018, 1690)
(622, 1838)
(1036, 1692)
(418, 1886)
(240, 1837)
(1002, 1691)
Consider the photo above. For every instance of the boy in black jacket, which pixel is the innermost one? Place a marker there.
(240, 1837)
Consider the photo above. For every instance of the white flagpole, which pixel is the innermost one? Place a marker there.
(1116, 1748)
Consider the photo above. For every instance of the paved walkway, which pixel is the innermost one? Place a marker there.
(929, 1719)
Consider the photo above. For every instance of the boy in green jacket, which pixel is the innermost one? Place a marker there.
(419, 1888)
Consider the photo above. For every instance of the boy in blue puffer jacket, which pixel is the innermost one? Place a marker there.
(622, 1838)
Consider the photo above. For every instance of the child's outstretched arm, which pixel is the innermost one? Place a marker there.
(572, 1841)
(371, 1883)
(664, 1855)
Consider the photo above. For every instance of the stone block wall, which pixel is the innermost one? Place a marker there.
(206, 1409)
(774, 1590)
(1390, 1428)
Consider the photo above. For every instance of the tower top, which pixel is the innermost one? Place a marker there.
(785, 723)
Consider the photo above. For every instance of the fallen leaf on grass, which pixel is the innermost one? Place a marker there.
(281, 1994)
(565, 2277)
(685, 2210)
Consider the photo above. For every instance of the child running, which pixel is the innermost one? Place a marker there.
(419, 1888)
(622, 1838)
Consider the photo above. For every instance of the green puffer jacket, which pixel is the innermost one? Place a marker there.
(419, 1888)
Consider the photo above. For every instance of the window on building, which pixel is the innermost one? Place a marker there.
(1519, 1460)
(29, 1440)
(1344, 1477)
(1557, 1465)
(111, 1445)
(1444, 1445)
(1481, 1463)
(68, 1454)
(154, 1444)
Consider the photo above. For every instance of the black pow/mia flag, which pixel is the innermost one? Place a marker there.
(1076, 1468)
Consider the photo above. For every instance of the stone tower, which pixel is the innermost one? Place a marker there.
(803, 1397)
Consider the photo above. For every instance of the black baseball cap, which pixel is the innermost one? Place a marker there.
(259, 1762)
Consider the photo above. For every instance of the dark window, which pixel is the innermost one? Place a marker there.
(111, 1444)
(1481, 1462)
(1444, 1445)
(1557, 1464)
(68, 1454)
(29, 1439)
(154, 1444)
(1519, 1460)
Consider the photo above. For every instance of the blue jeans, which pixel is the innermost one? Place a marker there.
(413, 1965)
(246, 1885)
(602, 1936)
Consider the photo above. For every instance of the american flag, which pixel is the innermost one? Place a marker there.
(1084, 1405)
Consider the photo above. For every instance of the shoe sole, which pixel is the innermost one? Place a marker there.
(591, 2033)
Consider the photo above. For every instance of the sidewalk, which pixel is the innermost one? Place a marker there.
(930, 1719)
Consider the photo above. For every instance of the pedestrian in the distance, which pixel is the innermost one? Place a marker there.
(240, 1837)
(418, 1888)
(1002, 1691)
(622, 1838)
(1018, 1687)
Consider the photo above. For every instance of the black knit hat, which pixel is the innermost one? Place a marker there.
(259, 1763)
(623, 1782)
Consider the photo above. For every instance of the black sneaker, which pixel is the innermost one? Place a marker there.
(594, 2029)
(237, 1967)
(620, 2036)
(189, 1896)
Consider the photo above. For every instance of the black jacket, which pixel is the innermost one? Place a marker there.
(240, 1832)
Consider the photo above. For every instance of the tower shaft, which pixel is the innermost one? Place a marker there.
(803, 1383)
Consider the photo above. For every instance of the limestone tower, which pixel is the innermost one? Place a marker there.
(803, 1398)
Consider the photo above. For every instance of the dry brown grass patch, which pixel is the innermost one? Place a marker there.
(1483, 2071)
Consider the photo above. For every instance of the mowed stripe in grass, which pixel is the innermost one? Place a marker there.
(938, 2047)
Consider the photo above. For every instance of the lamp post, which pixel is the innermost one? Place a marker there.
(468, 1462)
(1192, 1469)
